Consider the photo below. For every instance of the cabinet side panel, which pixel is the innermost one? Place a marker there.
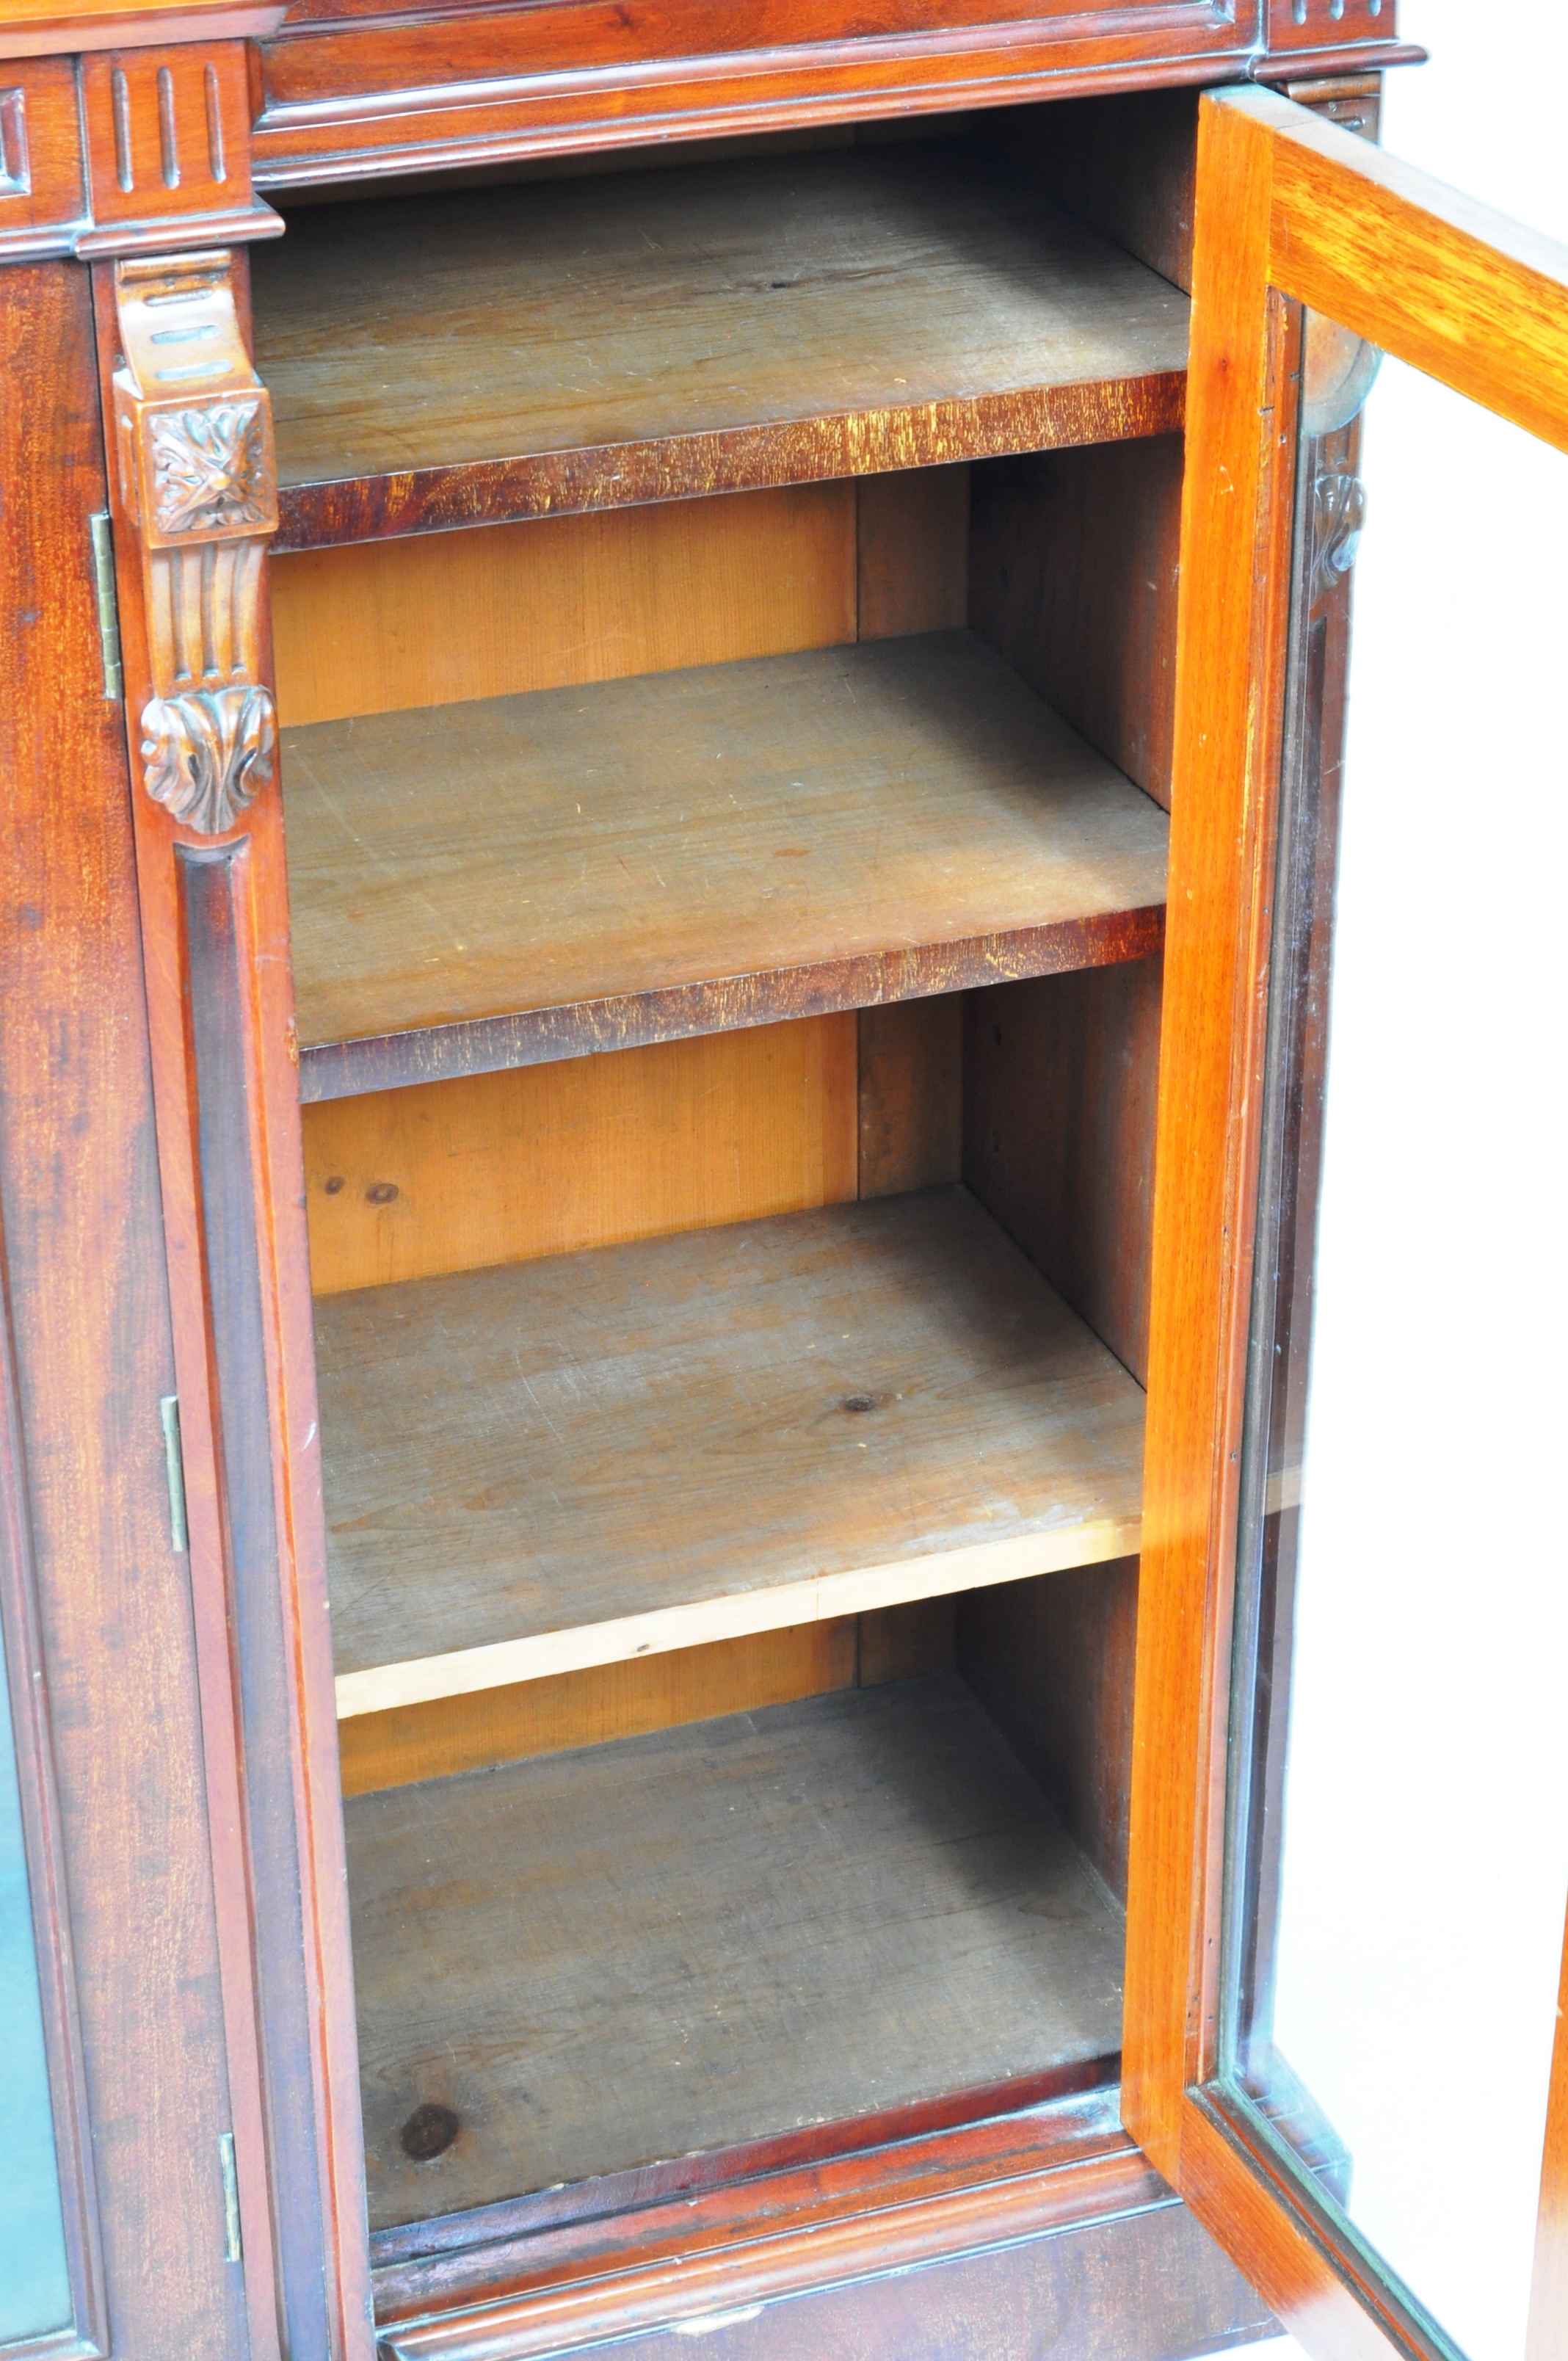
(1127, 164)
(1051, 1661)
(90, 1324)
(1059, 1087)
(1073, 568)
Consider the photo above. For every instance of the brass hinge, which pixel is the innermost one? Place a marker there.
(232, 2251)
(108, 604)
(175, 1467)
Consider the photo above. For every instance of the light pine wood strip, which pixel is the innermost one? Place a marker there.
(536, 1468)
(847, 1903)
(446, 1735)
(586, 1152)
(378, 627)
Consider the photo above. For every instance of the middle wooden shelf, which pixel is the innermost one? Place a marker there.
(518, 879)
(545, 1466)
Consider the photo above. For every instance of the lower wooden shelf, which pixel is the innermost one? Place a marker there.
(551, 1465)
(682, 1942)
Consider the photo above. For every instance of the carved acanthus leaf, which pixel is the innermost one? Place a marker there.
(207, 752)
(1339, 517)
(209, 467)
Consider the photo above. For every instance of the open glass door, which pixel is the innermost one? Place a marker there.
(1344, 2039)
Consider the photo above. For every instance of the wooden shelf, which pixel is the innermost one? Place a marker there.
(576, 1460)
(680, 1943)
(524, 878)
(528, 351)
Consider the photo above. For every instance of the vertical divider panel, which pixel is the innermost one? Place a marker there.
(194, 500)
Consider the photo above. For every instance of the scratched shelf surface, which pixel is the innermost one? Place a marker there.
(549, 1464)
(819, 1910)
(524, 878)
(569, 345)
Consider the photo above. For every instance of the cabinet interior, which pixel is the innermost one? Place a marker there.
(727, 735)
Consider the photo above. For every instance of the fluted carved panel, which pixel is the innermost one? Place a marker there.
(194, 432)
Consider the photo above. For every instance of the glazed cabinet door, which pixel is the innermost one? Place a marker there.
(1350, 1846)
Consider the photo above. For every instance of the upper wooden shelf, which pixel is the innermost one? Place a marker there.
(568, 344)
(525, 878)
(550, 1465)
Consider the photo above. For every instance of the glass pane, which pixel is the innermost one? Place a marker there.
(1399, 1814)
(35, 2286)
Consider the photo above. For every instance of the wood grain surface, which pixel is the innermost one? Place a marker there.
(1238, 563)
(376, 627)
(581, 344)
(1478, 300)
(514, 879)
(911, 1095)
(1092, 2244)
(446, 1735)
(820, 1909)
(214, 941)
(1074, 569)
(84, 1298)
(443, 1735)
(563, 1463)
(590, 1152)
(912, 532)
(1052, 1662)
(1061, 1079)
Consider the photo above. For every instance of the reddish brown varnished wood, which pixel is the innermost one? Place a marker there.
(41, 190)
(927, 2197)
(214, 932)
(29, 29)
(114, 1704)
(341, 100)
(343, 97)
(1293, 27)
(1288, 206)
(167, 133)
(127, 149)
(30, 1721)
(1229, 674)
(440, 2261)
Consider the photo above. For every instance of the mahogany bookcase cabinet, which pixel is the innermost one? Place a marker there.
(647, 1211)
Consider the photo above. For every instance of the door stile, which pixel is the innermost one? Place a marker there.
(1236, 508)
(1292, 212)
(189, 554)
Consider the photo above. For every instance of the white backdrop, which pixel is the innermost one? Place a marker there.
(1427, 1845)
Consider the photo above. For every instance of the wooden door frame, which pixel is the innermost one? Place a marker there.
(1291, 211)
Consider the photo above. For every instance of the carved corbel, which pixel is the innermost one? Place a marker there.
(198, 476)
